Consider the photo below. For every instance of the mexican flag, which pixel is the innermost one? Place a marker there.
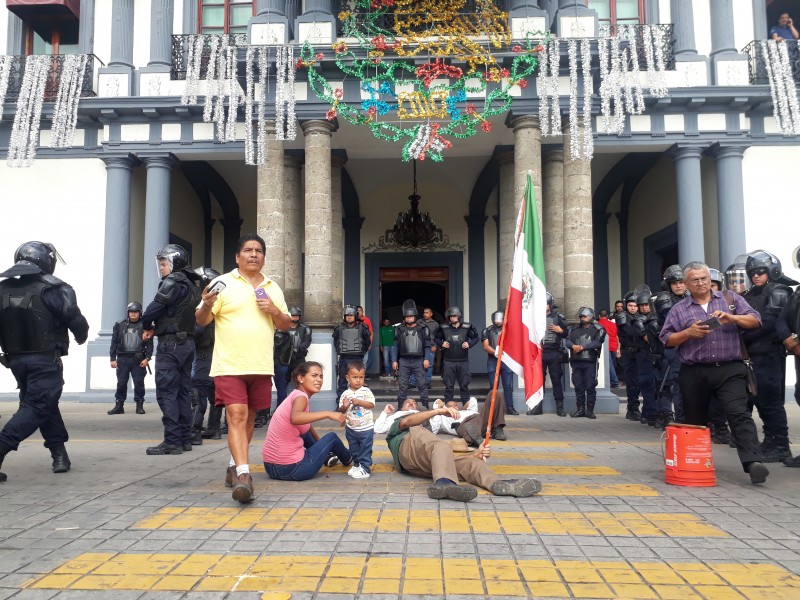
(526, 312)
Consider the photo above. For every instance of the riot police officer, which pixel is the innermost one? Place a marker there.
(736, 279)
(351, 338)
(674, 291)
(170, 317)
(717, 280)
(647, 360)
(36, 312)
(413, 341)
(455, 339)
(585, 342)
(490, 338)
(768, 295)
(291, 348)
(202, 382)
(650, 328)
(130, 355)
(787, 328)
(630, 346)
(554, 354)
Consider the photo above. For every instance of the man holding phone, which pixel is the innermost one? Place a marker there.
(712, 369)
(784, 30)
(246, 313)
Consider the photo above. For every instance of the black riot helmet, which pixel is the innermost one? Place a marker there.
(643, 298)
(350, 311)
(796, 257)
(410, 309)
(761, 259)
(550, 302)
(453, 311)
(38, 254)
(497, 318)
(175, 255)
(205, 274)
(716, 277)
(673, 273)
(629, 297)
(134, 307)
(585, 311)
(295, 311)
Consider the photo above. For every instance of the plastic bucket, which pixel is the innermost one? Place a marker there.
(688, 460)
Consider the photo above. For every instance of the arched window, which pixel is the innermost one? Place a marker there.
(619, 12)
(224, 16)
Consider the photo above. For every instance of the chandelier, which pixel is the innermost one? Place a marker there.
(414, 229)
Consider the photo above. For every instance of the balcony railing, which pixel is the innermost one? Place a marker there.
(664, 38)
(757, 64)
(17, 74)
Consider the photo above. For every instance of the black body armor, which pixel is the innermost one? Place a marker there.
(456, 337)
(180, 315)
(26, 325)
(350, 342)
(204, 338)
(493, 335)
(551, 339)
(768, 301)
(283, 347)
(410, 340)
(581, 336)
(130, 337)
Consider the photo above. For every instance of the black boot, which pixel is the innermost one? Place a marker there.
(212, 431)
(775, 449)
(3, 452)
(536, 410)
(560, 408)
(720, 434)
(633, 414)
(140, 408)
(579, 412)
(590, 411)
(61, 463)
(262, 417)
(119, 409)
(197, 437)
(223, 428)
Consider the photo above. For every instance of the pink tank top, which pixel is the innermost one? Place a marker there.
(283, 444)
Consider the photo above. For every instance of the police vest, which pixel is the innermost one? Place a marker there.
(493, 335)
(580, 336)
(794, 312)
(350, 342)
(180, 315)
(283, 347)
(551, 338)
(759, 299)
(627, 333)
(456, 337)
(298, 334)
(204, 341)
(652, 330)
(26, 325)
(410, 341)
(433, 327)
(130, 337)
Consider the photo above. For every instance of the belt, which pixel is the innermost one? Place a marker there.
(175, 337)
(715, 364)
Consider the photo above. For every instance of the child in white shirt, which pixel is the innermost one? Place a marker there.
(357, 402)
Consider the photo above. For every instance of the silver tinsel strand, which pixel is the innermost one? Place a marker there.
(65, 110)
(574, 140)
(249, 157)
(547, 88)
(25, 130)
(587, 146)
(781, 85)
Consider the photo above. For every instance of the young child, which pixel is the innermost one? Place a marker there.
(357, 403)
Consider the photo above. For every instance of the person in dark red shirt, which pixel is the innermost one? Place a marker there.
(613, 346)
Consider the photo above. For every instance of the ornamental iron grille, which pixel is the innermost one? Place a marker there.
(17, 74)
(757, 66)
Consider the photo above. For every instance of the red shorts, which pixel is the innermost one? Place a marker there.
(253, 390)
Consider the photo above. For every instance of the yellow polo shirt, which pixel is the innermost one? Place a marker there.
(243, 335)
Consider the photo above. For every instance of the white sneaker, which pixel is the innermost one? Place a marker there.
(360, 473)
(352, 470)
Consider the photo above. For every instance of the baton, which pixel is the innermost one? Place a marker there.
(148, 369)
(664, 381)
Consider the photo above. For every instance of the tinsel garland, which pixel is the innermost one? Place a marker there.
(249, 151)
(547, 88)
(587, 143)
(65, 110)
(5, 72)
(25, 130)
(574, 140)
(782, 86)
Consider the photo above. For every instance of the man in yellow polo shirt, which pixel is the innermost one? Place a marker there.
(246, 313)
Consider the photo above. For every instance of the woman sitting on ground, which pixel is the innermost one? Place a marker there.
(293, 450)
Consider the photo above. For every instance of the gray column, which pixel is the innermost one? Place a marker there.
(156, 219)
(271, 7)
(575, 9)
(86, 27)
(730, 202)
(578, 246)
(121, 34)
(324, 7)
(352, 253)
(553, 222)
(160, 32)
(506, 223)
(294, 235)
(723, 47)
(683, 19)
(690, 203)
(318, 277)
(527, 158)
(270, 208)
(760, 26)
(476, 265)
(337, 231)
(15, 42)
(117, 240)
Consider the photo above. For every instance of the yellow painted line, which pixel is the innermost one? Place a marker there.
(447, 520)
(510, 453)
(499, 469)
(433, 576)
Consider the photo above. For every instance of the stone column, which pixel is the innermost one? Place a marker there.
(318, 277)
(270, 208)
(728, 67)
(506, 223)
(117, 241)
(578, 248)
(116, 79)
(527, 158)
(730, 202)
(156, 219)
(160, 33)
(337, 231)
(553, 222)
(85, 28)
(683, 19)
(690, 203)
(294, 237)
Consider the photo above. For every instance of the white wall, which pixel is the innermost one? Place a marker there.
(102, 29)
(743, 26)
(4, 15)
(141, 33)
(702, 26)
(61, 202)
(708, 173)
(177, 17)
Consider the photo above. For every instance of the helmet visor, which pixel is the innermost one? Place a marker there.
(163, 266)
(737, 281)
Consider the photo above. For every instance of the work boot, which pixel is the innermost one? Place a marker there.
(519, 488)
(758, 473)
(212, 431)
(590, 411)
(722, 435)
(560, 409)
(451, 491)
(243, 490)
(536, 410)
(119, 409)
(3, 452)
(140, 408)
(499, 435)
(164, 448)
(775, 449)
(579, 412)
(197, 437)
(230, 476)
(262, 416)
(789, 462)
(61, 463)
(510, 410)
(633, 414)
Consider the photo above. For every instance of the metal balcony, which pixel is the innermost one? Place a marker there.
(51, 88)
(757, 64)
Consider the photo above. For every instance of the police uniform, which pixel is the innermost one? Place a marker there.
(492, 335)
(651, 329)
(787, 328)
(584, 365)
(128, 349)
(351, 343)
(630, 347)
(455, 368)
(171, 313)
(663, 303)
(413, 342)
(433, 327)
(36, 312)
(202, 382)
(291, 348)
(553, 357)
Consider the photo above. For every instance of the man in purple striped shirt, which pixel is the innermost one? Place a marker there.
(705, 329)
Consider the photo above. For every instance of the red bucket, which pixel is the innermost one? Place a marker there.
(688, 460)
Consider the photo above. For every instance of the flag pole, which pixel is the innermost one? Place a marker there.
(499, 349)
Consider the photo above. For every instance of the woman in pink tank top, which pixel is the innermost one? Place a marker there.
(293, 450)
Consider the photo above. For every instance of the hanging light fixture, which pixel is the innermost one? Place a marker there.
(414, 229)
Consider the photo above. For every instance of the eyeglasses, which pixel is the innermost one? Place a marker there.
(697, 280)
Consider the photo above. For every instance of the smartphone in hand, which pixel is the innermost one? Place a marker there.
(216, 287)
(261, 294)
(713, 323)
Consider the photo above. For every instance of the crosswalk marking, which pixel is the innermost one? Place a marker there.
(368, 575)
(449, 520)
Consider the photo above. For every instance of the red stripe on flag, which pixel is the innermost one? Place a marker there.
(519, 347)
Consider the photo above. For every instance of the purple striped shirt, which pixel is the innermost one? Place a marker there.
(721, 345)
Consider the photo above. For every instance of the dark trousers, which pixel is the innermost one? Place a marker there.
(551, 361)
(406, 367)
(647, 385)
(456, 371)
(281, 382)
(629, 366)
(40, 381)
(770, 400)
(341, 370)
(360, 445)
(584, 380)
(316, 454)
(174, 390)
(128, 366)
(202, 387)
(506, 378)
(672, 383)
(724, 384)
(797, 379)
(663, 391)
